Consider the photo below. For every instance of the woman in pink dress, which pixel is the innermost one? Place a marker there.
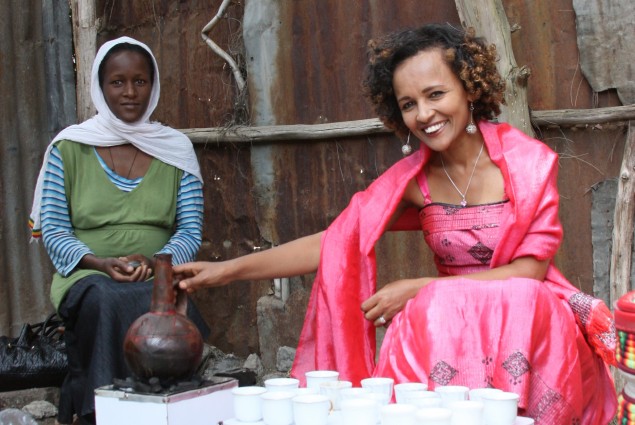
(499, 313)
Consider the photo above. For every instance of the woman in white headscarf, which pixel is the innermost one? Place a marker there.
(112, 192)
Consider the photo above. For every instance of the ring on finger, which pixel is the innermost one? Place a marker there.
(382, 320)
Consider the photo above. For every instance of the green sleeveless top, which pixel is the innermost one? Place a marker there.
(111, 222)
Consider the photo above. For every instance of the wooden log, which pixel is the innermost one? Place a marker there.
(85, 36)
(286, 133)
(624, 221)
(583, 117)
(489, 20)
(295, 133)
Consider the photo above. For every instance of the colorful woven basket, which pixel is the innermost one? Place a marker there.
(625, 409)
(625, 355)
(625, 329)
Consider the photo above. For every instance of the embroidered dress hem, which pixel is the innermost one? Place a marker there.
(446, 336)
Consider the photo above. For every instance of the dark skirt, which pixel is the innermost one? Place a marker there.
(97, 313)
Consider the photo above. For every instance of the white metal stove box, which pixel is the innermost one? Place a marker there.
(209, 404)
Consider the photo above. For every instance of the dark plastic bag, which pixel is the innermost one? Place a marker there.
(36, 358)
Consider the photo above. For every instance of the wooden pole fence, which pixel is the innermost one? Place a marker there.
(584, 118)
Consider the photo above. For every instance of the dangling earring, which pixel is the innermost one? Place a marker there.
(406, 149)
(471, 127)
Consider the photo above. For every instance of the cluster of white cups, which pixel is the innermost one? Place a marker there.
(454, 405)
(282, 402)
(326, 400)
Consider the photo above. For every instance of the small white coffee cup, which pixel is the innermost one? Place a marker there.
(398, 414)
(234, 421)
(434, 416)
(359, 411)
(466, 412)
(404, 387)
(422, 402)
(451, 393)
(500, 408)
(476, 394)
(379, 385)
(247, 403)
(315, 377)
(311, 409)
(354, 392)
(277, 407)
(307, 390)
(282, 384)
(332, 389)
(420, 398)
(382, 399)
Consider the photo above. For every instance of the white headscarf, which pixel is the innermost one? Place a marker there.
(105, 129)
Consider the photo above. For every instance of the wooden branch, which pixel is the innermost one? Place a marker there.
(85, 38)
(624, 221)
(367, 127)
(489, 20)
(577, 117)
(289, 133)
(217, 49)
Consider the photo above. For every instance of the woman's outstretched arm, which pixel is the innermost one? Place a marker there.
(298, 257)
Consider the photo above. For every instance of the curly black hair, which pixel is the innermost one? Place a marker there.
(472, 60)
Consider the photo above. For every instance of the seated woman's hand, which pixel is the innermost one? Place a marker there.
(137, 268)
(391, 299)
(119, 269)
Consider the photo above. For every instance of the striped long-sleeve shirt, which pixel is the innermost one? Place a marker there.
(66, 250)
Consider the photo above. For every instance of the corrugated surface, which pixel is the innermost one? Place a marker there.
(196, 85)
(32, 42)
(546, 43)
(314, 77)
(586, 158)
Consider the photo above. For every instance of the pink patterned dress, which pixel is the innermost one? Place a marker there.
(462, 239)
(513, 334)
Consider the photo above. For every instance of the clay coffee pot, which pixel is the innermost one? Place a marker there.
(163, 343)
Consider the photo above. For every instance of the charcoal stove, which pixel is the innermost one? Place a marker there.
(206, 402)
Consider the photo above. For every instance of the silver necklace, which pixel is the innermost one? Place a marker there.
(463, 195)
